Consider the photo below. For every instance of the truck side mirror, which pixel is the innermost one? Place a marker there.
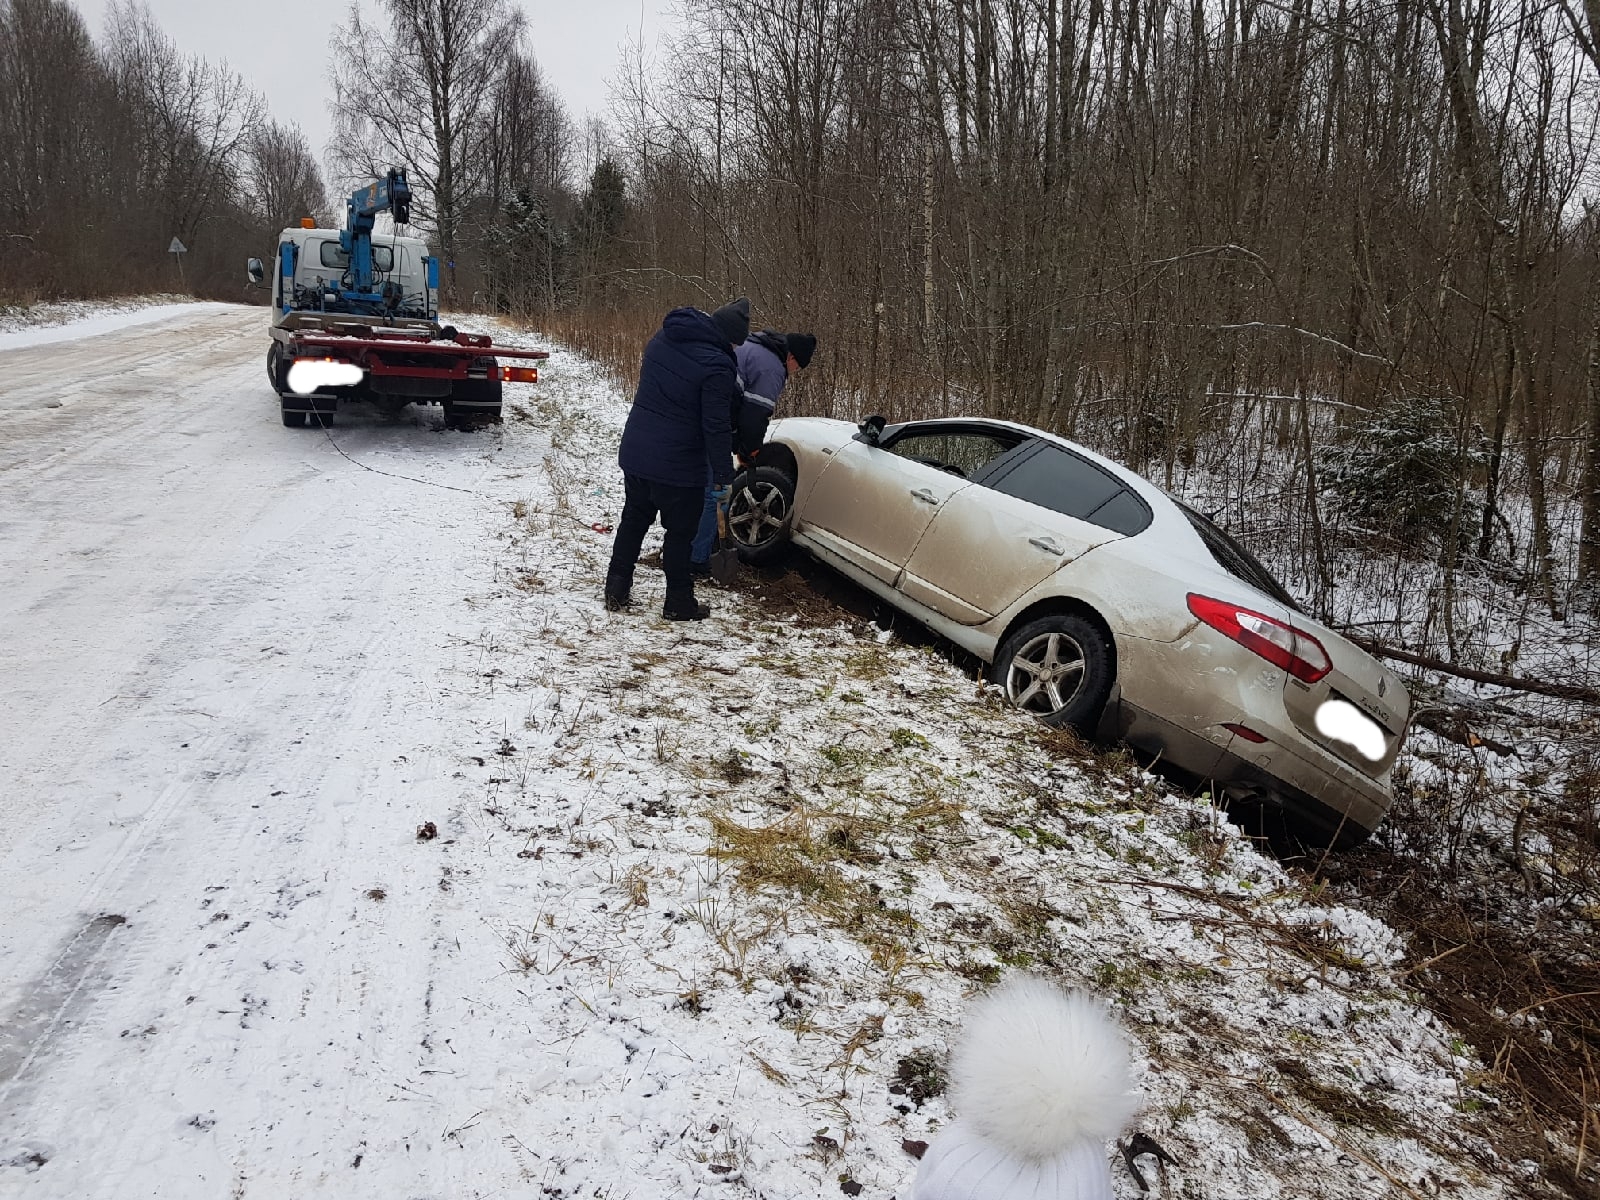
(255, 270)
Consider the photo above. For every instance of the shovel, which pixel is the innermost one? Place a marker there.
(724, 561)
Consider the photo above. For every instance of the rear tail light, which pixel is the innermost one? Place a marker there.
(1296, 651)
(518, 374)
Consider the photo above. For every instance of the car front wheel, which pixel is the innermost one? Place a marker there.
(1059, 669)
(759, 509)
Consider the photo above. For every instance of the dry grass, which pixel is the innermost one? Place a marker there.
(1503, 953)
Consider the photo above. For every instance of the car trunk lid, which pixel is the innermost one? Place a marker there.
(1350, 708)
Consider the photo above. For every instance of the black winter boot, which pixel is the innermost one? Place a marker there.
(682, 606)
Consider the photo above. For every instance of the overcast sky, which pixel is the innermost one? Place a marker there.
(281, 46)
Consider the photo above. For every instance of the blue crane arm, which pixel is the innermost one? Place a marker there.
(389, 194)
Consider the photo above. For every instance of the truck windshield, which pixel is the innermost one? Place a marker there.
(333, 255)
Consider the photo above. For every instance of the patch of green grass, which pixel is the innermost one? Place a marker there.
(765, 727)
(848, 761)
(869, 662)
(907, 739)
(1120, 977)
(1038, 837)
(987, 974)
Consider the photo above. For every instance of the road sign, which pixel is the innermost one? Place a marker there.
(177, 250)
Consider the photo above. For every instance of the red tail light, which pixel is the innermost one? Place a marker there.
(517, 374)
(1284, 646)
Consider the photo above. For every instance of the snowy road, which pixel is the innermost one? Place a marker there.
(223, 665)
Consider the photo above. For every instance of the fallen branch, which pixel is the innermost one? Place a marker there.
(1520, 683)
(1450, 723)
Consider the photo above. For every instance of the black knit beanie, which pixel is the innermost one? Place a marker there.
(733, 319)
(802, 346)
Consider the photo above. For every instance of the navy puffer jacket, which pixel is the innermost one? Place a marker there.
(680, 423)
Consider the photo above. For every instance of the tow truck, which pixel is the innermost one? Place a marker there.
(371, 305)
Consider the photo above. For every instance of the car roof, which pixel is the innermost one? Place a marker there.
(1132, 478)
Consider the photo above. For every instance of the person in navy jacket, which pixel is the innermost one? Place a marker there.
(679, 434)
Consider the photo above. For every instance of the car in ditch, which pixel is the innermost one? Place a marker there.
(1099, 602)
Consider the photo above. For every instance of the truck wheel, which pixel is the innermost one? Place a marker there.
(473, 403)
(275, 372)
(320, 420)
(293, 418)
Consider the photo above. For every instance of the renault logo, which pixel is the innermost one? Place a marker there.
(1383, 686)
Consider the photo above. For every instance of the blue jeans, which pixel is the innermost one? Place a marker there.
(705, 538)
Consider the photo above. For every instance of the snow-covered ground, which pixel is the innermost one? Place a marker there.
(66, 320)
(352, 849)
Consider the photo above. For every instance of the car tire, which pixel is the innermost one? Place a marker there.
(1059, 669)
(760, 510)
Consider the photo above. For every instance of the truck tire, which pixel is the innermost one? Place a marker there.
(276, 375)
(473, 403)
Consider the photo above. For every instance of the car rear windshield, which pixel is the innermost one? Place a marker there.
(1236, 560)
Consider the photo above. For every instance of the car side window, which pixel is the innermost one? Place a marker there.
(963, 454)
(1059, 480)
(1124, 513)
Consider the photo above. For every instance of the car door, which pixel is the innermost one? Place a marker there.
(993, 543)
(873, 503)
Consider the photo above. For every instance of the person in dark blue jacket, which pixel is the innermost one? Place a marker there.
(679, 434)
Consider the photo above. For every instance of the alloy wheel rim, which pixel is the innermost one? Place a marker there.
(1047, 674)
(757, 514)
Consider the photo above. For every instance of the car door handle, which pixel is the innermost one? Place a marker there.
(1047, 545)
(924, 495)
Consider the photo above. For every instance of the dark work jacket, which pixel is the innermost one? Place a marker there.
(763, 370)
(678, 429)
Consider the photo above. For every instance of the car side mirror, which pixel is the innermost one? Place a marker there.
(872, 429)
(255, 270)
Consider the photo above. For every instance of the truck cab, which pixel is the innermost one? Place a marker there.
(311, 274)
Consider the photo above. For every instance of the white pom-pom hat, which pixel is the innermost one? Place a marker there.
(1041, 1081)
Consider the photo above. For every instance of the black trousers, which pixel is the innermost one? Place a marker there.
(679, 509)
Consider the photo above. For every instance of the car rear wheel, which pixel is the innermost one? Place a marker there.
(759, 511)
(1059, 669)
